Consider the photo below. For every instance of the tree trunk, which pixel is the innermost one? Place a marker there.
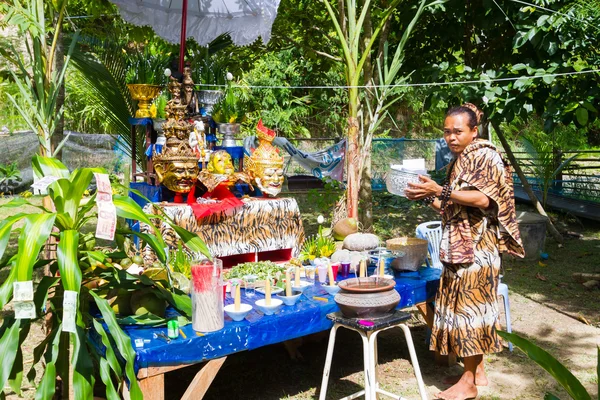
(366, 193)
(59, 131)
(352, 173)
(551, 228)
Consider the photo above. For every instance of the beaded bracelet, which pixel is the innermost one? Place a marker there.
(445, 196)
(428, 200)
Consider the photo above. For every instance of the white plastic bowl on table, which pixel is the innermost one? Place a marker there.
(397, 179)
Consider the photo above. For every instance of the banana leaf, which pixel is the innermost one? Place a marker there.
(545, 360)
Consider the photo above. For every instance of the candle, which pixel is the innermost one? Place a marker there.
(362, 268)
(268, 291)
(237, 296)
(381, 265)
(288, 283)
(330, 273)
(297, 276)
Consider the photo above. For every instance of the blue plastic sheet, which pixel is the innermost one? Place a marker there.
(306, 317)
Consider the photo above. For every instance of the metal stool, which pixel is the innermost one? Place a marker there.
(369, 338)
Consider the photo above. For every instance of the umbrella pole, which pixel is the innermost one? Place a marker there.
(184, 7)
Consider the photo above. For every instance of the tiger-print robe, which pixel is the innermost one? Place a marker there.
(466, 315)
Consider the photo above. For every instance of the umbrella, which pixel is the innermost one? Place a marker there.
(203, 20)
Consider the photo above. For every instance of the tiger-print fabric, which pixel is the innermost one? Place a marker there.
(259, 225)
(466, 314)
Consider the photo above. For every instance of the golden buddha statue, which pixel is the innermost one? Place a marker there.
(177, 168)
(265, 165)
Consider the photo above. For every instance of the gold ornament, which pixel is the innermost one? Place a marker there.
(144, 94)
(177, 167)
(265, 165)
(220, 170)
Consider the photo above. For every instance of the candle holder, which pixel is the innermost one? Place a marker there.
(269, 310)
(331, 289)
(290, 300)
(240, 314)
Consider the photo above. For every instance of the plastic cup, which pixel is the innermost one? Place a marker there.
(309, 271)
(322, 273)
(250, 285)
(335, 268)
(345, 269)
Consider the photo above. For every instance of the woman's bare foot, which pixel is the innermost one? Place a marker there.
(480, 378)
(463, 390)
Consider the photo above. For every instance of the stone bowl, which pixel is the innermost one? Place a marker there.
(237, 315)
(371, 297)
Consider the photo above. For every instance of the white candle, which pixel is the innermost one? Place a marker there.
(362, 268)
(381, 266)
(297, 276)
(237, 298)
(288, 283)
(268, 291)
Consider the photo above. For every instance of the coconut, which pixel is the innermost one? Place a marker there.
(145, 301)
(345, 227)
(120, 301)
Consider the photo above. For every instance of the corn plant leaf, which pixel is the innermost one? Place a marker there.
(46, 166)
(6, 290)
(33, 236)
(68, 262)
(191, 240)
(16, 375)
(128, 208)
(182, 302)
(5, 229)
(9, 343)
(111, 357)
(46, 387)
(20, 202)
(111, 391)
(83, 368)
(598, 371)
(545, 360)
(41, 292)
(80, 180)
(156, 243)
(550, 396)
(123, 343)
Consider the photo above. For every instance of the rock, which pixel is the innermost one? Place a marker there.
(361, 241)
(145, 301)
(340, 255)
(120, 301)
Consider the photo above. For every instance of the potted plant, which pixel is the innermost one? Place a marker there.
(230, 110)
(80, 275)
(145, 77)
(317, 246)
(158, 112)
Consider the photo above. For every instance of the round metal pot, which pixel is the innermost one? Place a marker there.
(229, 131)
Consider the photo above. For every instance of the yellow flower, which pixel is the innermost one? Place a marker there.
(153, 110)
(232, 119)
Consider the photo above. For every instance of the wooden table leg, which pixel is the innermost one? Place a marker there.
(201, 382)
(153, 388)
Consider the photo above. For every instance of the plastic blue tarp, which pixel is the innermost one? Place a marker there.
(306, 317)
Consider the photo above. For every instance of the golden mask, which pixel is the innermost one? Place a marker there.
(177, 168)
(220, 163)
(265, 165)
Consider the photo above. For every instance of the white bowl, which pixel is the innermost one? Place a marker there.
(302, 287)
(290, 300)
(268, 310)
(237, 315)
(331, 289)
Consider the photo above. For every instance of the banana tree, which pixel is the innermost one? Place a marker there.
(74, 258)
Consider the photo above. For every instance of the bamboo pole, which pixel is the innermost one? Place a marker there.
(526, 186)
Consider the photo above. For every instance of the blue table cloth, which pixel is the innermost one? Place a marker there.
(306, 317)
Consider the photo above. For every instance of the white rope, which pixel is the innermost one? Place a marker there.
(415, 84)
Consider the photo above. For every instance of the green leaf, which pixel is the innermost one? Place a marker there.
(550, 396)
(16, 375)
(545, 360)
(6, 290)
(156, 243)
(5, 229)
(68, 262)
(20, 202)
(9, 342)
(128, 208)
(33, 236)
(110, 353)
(46, 387)
(548, 79)
(123, 343)
(46, 166)
(83, 368)
(111, 392)
(191, 240)
(582, 116)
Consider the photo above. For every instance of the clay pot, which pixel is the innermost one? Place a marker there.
(367, 297)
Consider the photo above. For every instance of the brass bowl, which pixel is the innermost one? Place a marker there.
(143, 94)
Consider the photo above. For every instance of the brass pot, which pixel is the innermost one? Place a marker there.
(143, 94)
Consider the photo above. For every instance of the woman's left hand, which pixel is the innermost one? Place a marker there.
(418, 191)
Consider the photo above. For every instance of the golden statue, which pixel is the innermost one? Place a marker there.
(265, 165)
(220, 170)
(177, 168)
(188, 94)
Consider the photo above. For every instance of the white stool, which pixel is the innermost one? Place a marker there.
(369, 339)
(503, 291)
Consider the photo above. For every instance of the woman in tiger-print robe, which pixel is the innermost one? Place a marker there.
(479, 223)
